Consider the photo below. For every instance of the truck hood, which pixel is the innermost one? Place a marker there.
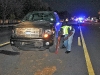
(39, 23)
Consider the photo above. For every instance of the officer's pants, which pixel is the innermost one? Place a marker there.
(68, 42)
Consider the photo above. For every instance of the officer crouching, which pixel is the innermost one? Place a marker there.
(67, 32)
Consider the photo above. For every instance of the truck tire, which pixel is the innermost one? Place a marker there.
(15, 48)
(53, 47)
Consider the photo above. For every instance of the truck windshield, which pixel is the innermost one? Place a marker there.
(39, 16)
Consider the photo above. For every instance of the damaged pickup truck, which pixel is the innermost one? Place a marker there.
(38, 30)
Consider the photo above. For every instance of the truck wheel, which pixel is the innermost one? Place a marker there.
(53, 47)
(15, 48)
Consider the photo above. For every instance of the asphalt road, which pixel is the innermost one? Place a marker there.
(83, 59)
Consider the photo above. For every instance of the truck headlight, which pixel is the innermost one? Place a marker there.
(46, 35)
(48, 31)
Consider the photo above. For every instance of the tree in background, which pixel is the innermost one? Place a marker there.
(10, 7)
(5, 10)
(64, 14)
(19, 8)
(35, 5)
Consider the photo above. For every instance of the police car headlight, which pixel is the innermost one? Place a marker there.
(48, 31)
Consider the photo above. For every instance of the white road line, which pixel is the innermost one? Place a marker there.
(79, 41)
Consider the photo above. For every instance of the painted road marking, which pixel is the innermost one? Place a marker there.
(88, 61)
(79, 41)
(4, 44)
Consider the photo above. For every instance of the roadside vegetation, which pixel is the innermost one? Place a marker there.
(11, 11)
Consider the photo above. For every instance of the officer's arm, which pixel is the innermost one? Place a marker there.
(70, 33)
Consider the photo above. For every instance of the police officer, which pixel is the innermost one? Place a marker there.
(68, 32)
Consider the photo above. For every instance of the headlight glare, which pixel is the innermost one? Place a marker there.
(45, 35)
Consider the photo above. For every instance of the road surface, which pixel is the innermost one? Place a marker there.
(83, 59)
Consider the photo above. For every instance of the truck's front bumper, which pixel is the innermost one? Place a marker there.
(36, 43)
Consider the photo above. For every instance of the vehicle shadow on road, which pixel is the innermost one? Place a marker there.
(9, 52)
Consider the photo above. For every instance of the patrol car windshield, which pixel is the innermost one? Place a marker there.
(39, 16)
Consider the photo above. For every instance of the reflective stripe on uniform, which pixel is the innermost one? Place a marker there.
(65, 29)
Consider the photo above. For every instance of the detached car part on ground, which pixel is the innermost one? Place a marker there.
(37, 31)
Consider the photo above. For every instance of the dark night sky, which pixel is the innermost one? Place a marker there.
(76, 7)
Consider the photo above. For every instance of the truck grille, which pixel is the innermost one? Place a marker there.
(29, 32)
